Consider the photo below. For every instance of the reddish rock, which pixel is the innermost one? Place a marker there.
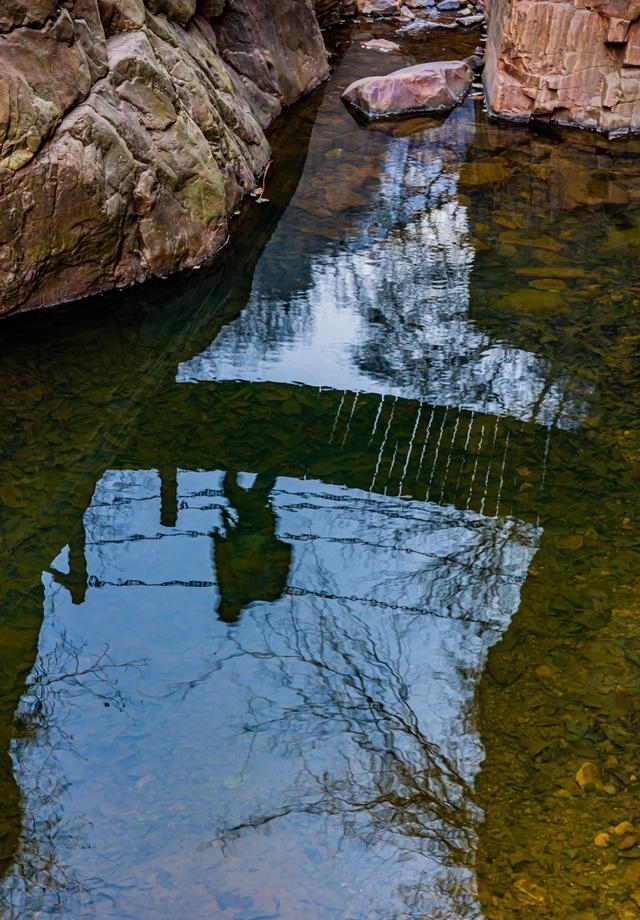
(434, 87)
(378, 7)
(573, 62)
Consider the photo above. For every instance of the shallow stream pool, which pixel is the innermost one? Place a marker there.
(320, 570)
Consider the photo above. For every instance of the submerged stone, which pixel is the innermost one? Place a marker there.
(588, 777)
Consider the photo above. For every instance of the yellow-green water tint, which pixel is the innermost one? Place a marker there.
(425, 349)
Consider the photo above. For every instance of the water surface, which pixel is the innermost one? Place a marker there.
(320, 569)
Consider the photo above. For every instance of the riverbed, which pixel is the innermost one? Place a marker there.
(320, 576)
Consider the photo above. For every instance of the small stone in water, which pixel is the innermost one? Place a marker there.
(602, 839)
(526, 890)
(234, 781)
(544, 671)
(588, 776)
(627, 842)
(632, 873)
(573, 541)
(381, 44)
(630, 853)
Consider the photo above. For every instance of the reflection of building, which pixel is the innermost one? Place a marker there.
(396, 580)
(318, 755)
(376, 558)
(372, 649)
(388, 310)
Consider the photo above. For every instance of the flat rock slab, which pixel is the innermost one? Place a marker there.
(433, 87)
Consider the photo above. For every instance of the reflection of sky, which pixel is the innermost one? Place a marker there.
(387, 312)
(309, 715)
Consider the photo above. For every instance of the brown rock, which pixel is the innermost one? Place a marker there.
(435, 87)
(276, 48)
(151, 137)
(15, 13)
(210, 9)
(588, 777)
(565, 61)
(121, 15)
(627, 842)
(179, 10)
(44, 74)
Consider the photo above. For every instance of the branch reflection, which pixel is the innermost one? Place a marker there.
(44, 874)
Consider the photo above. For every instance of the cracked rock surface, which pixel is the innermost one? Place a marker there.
(130, 130)
(574, 62)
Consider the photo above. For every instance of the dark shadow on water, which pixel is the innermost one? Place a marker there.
(251, 563)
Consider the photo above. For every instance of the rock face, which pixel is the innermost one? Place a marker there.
(434, 87)
(129, 132)
(273, 49)
(329, 11)
(574, 62)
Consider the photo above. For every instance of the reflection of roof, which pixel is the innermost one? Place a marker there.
(391, 317)
(384, 444)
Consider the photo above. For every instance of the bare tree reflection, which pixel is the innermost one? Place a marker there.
(384, 778)
(42, 877)
(70, 671)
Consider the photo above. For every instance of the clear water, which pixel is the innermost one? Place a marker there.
(320, 570)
